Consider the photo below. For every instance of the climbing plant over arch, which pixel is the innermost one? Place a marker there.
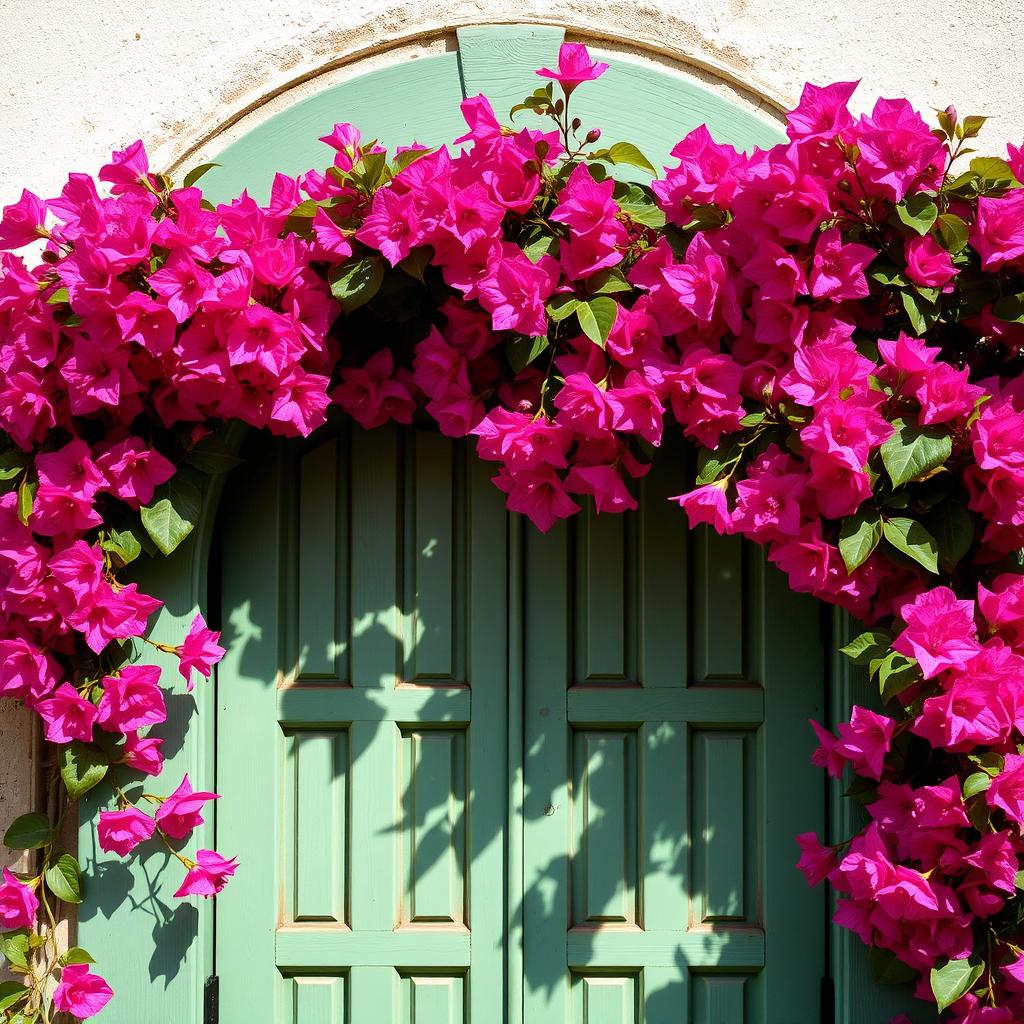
(836, 322)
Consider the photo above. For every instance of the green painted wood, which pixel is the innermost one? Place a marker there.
(676, 859)
(394, 782)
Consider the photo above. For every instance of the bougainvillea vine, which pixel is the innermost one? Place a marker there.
(837, 323)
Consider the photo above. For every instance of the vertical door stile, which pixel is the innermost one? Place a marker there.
(516, 710)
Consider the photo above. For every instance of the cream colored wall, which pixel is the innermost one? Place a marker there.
(83, 76)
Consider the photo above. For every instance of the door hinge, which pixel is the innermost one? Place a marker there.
(211, 1000)
(828, 1001)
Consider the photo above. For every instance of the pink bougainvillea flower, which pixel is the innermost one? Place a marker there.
(997, 435)
(372, 394)
(23, 222)
(199, 650)
(837, 270)
(132, 700)
(26, 672)
(585, 205)
(940, 634)
(81, 993)
(816, 861)
(128, 167)
(112, 615)
(515, 288)
(182, 283)
(121, 831)
(392, 225)
(179, 814)
(67, 715)
(828, 755)
(822, 112)
(928, 263)
(575, 66)
(707, 504)
(209, 875)
(299, 404)
(897, 149)
(18, 903)
(865, 740)
(133, 471)
(604, 484)
(143, 754)
(998, 232)
(539, 494)
(1007, 789)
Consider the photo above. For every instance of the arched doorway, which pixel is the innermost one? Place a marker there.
(497, 776)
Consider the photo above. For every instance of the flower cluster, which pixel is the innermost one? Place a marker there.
(837, 322)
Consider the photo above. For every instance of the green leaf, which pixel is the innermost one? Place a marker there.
(597, 317)
(627, 153)
(921, 312)
(887, 968)
(858, 536)
(407, 157)
(955, 979)
(354, 283)
(912, 452)
(81, 768)
(638, 204)
(173, 513)
(976, 783)
(122, 545)
(1010, 308)
(895, 673)
(59, 297)
(560, 307)
(12, 464)
(970, 126)
(952, 231)
(918, 211)
(711, 464)
(605, 282)
(952, 526)
(913, 540)
(871, 644)
(12, 993)
(300, 220)
(196, 173)
(29, 832)
(521, 350)
(14, 946)
(76, 955)
(539, 247)
(64, 879)
(416, 263)
(890, 275)
(26, 499)
(995, 176)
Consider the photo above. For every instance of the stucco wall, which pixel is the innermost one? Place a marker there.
(82, 76)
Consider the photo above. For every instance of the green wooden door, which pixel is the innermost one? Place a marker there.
(599, 829)
(669, 679)
(363, 704)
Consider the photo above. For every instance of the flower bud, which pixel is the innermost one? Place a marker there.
(576, 122)
(593, 135)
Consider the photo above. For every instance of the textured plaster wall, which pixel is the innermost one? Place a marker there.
(79, 77)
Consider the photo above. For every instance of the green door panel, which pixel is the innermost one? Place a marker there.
(669, 678)
(361, 733)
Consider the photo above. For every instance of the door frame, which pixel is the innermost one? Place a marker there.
(162, 950)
